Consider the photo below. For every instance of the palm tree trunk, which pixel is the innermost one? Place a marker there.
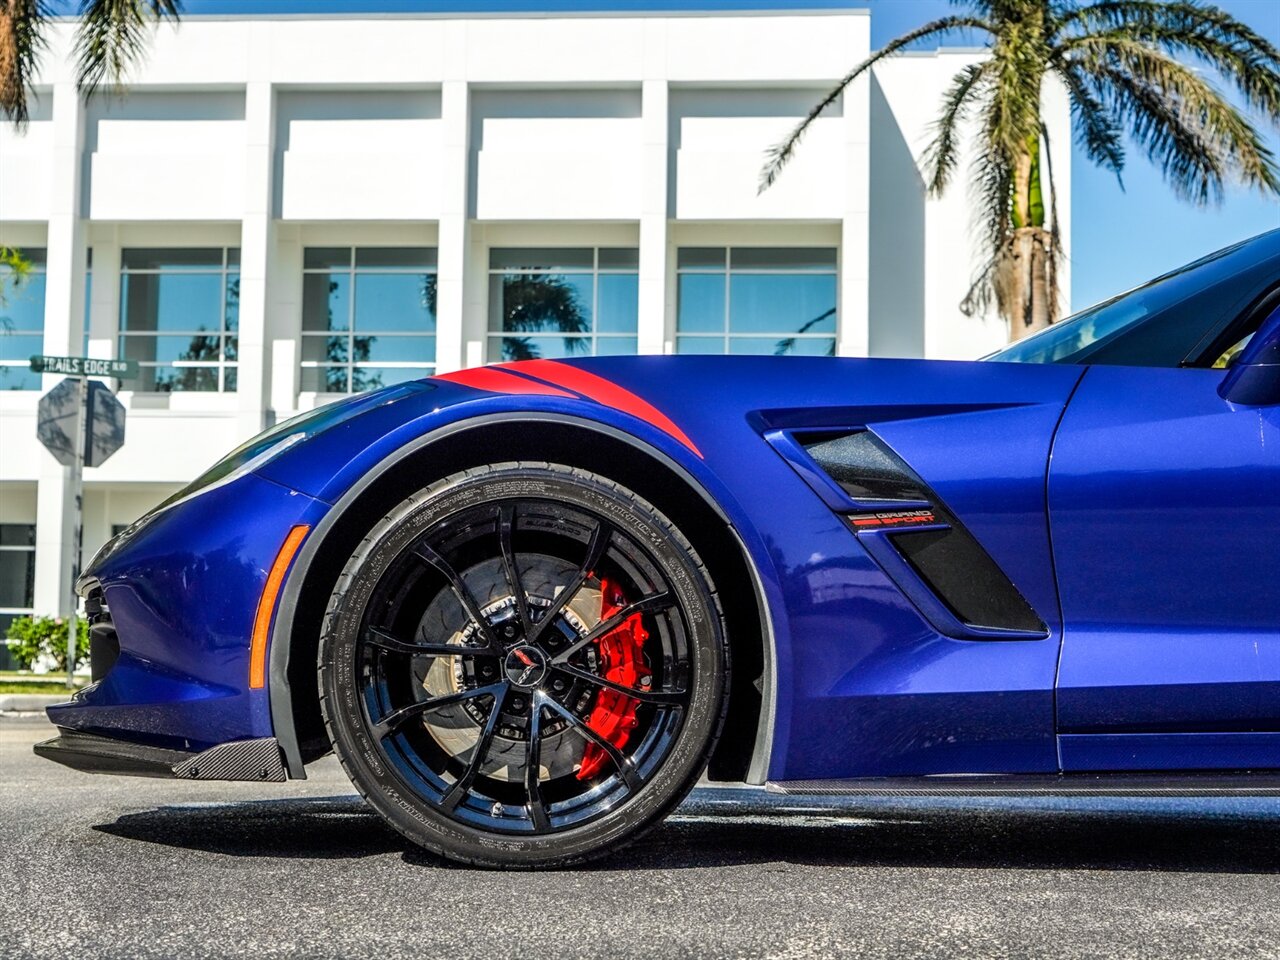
(1024, 288)
(1024, 284)
(12, 94)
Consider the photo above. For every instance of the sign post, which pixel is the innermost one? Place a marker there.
(97, 431)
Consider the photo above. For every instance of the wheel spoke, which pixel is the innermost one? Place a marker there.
(378, 637)
(395, 718)
(533, 765)
(506, 531)
(427, 553)
(663, 698)
(625, 769)
(653, 603)
(462, 786)
(596, 547)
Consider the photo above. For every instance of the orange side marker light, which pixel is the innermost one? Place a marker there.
(267, 605)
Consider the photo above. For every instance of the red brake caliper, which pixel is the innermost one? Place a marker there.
(621, 653)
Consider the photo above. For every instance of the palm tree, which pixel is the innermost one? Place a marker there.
(1129, 67)
(110, 38)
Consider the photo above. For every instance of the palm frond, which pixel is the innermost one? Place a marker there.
(113, 36)
(942, 153)
(777, 156)
(1252, 71)
(1189, 130)
(992, 199)
(1097, 132)
(22, 40)
(1179, 16)
(1018, 57)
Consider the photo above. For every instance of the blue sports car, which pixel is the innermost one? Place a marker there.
(530, 605)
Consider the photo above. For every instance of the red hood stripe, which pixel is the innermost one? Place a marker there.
(493, 380)
(606, 392)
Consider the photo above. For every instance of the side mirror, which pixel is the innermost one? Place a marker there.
(1254, 379)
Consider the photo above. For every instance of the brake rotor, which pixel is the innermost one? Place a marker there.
(457, 728)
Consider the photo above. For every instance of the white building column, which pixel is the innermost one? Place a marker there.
(104, 294)
(854, 337)
(257, 245)
(653, 217)
(452, 333)
(284, 320)
(63, 336)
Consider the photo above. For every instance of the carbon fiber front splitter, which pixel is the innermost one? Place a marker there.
(259, 759)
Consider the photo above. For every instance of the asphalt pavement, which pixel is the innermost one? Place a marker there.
(94, 866)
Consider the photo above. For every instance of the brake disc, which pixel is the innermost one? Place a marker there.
(457, 728)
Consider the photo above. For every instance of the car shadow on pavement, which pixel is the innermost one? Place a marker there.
(320, 828)
(1174, 836)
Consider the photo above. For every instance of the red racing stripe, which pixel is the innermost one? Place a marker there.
(606, 392)
(492, 380)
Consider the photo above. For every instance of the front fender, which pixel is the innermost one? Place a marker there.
(337, 466)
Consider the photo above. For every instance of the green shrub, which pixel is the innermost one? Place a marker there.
(30, 637)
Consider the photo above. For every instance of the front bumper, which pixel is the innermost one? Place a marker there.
(172, 606)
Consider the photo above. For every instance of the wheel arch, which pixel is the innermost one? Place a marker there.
(743, 751)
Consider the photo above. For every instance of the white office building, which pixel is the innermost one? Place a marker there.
(285, 209)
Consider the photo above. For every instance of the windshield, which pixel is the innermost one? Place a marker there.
(1073, 340)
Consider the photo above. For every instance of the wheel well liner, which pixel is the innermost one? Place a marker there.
(295, 706)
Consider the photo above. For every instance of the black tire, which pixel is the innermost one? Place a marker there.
(649, 694)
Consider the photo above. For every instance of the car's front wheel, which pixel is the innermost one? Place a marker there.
(523, 665)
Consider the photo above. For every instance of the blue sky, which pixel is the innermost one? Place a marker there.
(1119, 237)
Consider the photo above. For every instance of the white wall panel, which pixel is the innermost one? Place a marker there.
(25, 173)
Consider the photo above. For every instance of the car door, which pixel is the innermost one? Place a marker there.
(1164, 504)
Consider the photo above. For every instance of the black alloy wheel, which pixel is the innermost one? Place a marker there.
(523, 665)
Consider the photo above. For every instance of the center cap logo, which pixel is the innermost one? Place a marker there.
(526, 666)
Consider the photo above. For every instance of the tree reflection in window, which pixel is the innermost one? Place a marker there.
(541, 303)
(179, 317)
(369, 317)
(559, 302)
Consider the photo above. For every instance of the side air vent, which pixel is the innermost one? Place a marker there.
(967, 580)
(864, 467)
(917, 539)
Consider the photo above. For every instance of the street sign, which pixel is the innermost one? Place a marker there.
(105, 434)
(82, 424)
(86, 367)
(103, 424)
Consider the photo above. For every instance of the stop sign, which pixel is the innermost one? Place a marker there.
(104, 422)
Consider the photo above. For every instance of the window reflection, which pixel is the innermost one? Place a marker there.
(179, 313)
(560, 302)
(368, 317)
(756, 300)
(21, 321)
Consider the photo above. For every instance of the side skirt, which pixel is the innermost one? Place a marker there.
(259, 760)
(1234, 784)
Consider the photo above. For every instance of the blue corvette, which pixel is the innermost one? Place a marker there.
(529, 605)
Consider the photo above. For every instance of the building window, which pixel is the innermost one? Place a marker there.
(368, 317)
(17, 569)
(21, 322)
(757, 300)
(562, 302)
(179, 312)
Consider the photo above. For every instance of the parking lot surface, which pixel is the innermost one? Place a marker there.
(94, 866)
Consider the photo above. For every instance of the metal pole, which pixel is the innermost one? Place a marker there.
(77, 491)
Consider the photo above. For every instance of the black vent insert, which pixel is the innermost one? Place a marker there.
(966, 579)
(864, 467)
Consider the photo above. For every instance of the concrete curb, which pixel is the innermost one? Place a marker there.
(31, 702)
